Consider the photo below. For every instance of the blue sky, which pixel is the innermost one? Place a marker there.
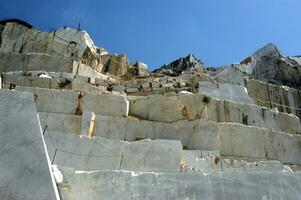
(158, 31)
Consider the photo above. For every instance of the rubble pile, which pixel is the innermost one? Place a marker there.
(78, 122)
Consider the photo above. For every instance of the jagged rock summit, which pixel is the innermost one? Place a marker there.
(80, 123)
(270, 65)
(178, 66)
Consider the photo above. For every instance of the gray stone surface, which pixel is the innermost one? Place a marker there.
(53, 101)
(64, 42)
(83, 153)
(230, 74)
(70, 102)
(96, 153)
(237, 139)
(180, 65)
(156, 155)
(200, 161)
(11, 61)
(198, 134)
(173, 186)
(271, 65)
(25, 170)
(192, 107)
(167, 109)
(225, 111)
(105, 104)
(254, 165)
(61, 122)
(285, 99)
(252, 142)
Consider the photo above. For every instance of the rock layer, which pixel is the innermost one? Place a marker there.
(102, 127)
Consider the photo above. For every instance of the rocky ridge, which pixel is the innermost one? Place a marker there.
(81, 123)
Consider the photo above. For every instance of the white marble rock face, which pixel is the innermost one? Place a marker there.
(191, 132)
(116, 185)
(97, 153)
(24, 168)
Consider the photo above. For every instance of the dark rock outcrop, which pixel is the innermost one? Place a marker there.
(269, 64)
(180, 65)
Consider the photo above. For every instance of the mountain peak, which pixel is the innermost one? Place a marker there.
(181, 64)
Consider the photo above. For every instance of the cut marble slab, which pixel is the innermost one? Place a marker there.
(225, 91)
(232, 139)
(24, 166)
(83, 153)
(124, 185)
(197, 134)
(61, 122)
(194, 107)
(253, 142)
(152, 155)
(71, 102)
(97, 153)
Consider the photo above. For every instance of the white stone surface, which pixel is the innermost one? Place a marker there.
(88, 123)
(252, 142)
(193, 107)
(83, 41)
(225, 91)
(71, 102)
(86, 70)
(25, 171)
(105, 104)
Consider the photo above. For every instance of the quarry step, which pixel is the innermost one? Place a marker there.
(171, 186)
(12, 61)
(97, 153)
(232, 139)
(70, 102)
(68, 130)
(285, 99)
(192, 107)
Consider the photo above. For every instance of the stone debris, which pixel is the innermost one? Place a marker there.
(78, 122)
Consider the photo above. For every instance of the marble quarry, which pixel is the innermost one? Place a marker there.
(79, 122)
